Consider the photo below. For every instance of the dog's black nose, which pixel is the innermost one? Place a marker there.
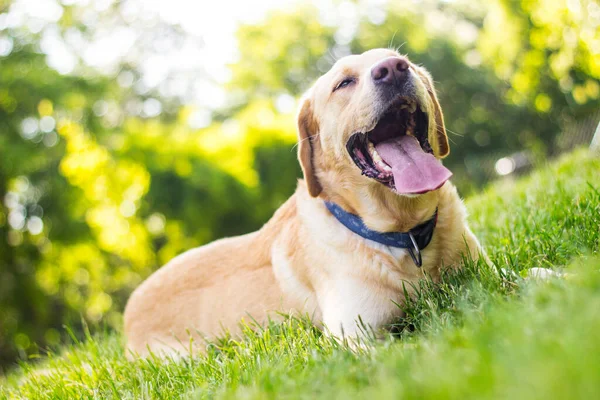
(392, 70)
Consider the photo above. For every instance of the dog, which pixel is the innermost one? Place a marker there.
(374, 214)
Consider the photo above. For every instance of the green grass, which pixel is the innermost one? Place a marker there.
(475, 335)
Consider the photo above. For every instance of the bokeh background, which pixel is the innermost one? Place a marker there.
(133, 130)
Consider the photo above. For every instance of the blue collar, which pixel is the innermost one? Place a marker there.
(414, 240)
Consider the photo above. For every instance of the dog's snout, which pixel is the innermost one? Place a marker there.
(392, 70)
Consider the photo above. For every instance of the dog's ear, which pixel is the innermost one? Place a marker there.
(307, 141)
(438, 139)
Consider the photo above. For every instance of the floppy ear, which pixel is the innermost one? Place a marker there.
(307, 131)
(438, 139)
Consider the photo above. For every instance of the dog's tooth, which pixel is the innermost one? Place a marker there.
(384, 166)
(377, 160)
(374, 154)
(371, 147)
(412, 107)
(376, 157)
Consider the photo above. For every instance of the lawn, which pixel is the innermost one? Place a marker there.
(475, 335)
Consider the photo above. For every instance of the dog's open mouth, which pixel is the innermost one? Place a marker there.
(397, 153)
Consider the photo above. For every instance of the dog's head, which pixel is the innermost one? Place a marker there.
(373, 121)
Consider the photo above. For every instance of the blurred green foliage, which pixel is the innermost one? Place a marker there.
(95, 198)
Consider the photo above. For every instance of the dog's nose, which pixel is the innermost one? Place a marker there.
(392, 70)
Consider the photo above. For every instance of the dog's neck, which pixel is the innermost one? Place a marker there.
(383, 210)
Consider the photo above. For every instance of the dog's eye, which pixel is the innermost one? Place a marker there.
(344, 83)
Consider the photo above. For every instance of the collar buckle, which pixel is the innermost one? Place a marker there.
(414, 251)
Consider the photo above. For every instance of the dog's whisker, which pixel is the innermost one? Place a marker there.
(299, 141)
(392, 40)
(397, 48)
(455, 133)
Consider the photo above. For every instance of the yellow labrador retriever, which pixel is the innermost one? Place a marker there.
(375, 211)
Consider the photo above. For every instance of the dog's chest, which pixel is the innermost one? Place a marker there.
(396, 254)
(389, 265)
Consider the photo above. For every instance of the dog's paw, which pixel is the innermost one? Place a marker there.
(543, 274)
(537, 274)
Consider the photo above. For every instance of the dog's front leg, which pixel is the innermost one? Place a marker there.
(354, 311)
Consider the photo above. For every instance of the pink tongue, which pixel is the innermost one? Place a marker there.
(415, 171)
